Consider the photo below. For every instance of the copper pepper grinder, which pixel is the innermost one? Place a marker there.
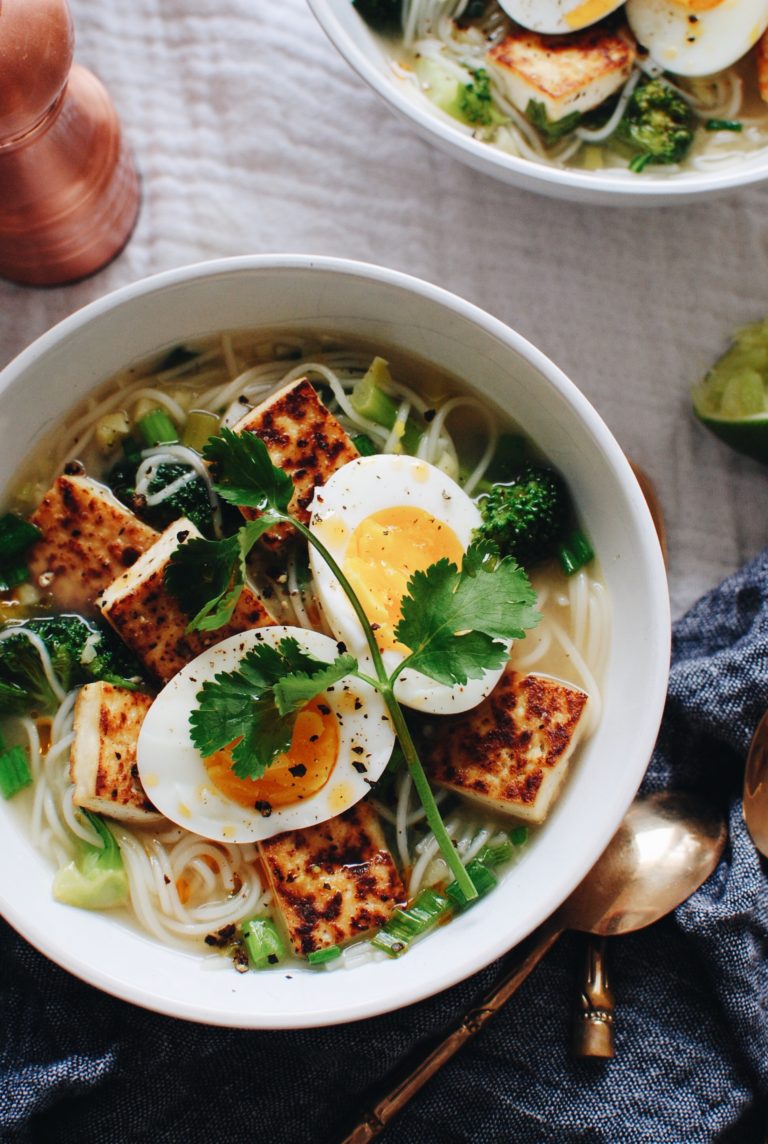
(69, 192)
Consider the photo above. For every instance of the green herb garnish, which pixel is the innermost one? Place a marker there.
(723, 125)
(454, 622)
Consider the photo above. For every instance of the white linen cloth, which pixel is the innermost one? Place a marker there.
(252, 135)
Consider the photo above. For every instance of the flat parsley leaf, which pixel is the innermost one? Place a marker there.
(255, 707)
(453, 621)
(244, 473)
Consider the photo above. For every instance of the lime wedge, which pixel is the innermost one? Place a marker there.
(732, 399)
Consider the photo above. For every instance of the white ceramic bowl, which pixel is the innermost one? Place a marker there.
(364, 53)
(362, 301)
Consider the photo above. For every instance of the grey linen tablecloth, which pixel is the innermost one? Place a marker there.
(253, 136)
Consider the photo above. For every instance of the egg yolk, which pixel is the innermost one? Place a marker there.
(588, 13)
(384, 551)
(295, 775)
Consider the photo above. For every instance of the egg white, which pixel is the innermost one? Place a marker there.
(354, 492)
(558, 16)
(174, 775)
(697, 43)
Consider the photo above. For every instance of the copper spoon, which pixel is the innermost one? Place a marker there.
(593, 1032)
(666, 846)
(755, 803)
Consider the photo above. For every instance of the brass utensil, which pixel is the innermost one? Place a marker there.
(666, 846)
(593, 1032)
(755, 803)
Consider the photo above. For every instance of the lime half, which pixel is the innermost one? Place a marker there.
(732, 400)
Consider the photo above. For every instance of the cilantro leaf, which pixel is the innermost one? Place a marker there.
(208, 576)
(255, 706)
(244, 473)
(453, 621)
(296, 690)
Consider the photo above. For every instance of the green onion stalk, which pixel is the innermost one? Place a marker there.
(384, 684)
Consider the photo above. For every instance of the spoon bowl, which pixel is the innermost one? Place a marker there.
(755, 801)
(665, 848)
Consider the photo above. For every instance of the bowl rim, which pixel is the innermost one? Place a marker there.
(659, 634)
(650, 190)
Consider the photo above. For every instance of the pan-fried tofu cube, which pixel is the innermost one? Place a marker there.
(151, 621)
(511, 752)
(88, 538)
(302, 438)
(565, 73)
(102, 762)
(333, 882)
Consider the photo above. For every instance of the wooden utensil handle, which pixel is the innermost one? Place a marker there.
(524, 960)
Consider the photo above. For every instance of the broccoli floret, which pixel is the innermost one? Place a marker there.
(384, 16)
(527, 517)
(470, 103)
(658, 125)
(96, 879)
(550, 129)
(190, 499)
(474, 100)
(80, 651)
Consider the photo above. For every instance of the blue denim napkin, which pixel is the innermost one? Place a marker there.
(692, 1025)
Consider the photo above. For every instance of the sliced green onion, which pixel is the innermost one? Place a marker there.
(390, 943)
(519, 836)
(482, 879)
(96, 879)
(364, 445)
(199, 426)
(156, 428)
(640, 162)
(370, 401)
(14, 771)
(575, 552)
(321, 956)
(411, 922)
(496, 855)
(723, 125)
(263, 942)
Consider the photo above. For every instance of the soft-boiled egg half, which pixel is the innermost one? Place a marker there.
(383, 518)
(341, 743)
(558, 16)
(699, 37)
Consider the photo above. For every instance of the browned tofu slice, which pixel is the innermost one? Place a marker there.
(302, 438)
(569, 73)
(511, 752)
(150, 620)
(102, 761)
(333, 882)
(88, 538)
